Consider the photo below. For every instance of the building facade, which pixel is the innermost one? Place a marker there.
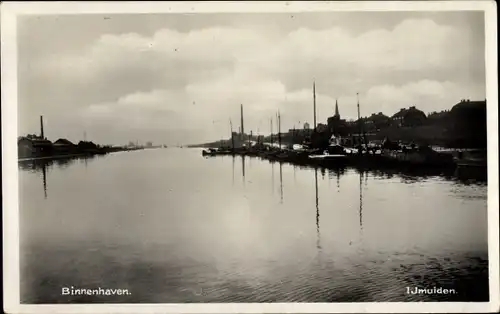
(410, 117)
(33, 147)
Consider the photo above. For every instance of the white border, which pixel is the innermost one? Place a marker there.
(9, 10)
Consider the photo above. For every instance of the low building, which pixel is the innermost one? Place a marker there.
(467, 124)
(87, 147)
(321, 128)
(64, 146)
(377, 121)
(33, 147)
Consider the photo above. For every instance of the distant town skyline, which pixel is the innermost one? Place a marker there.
(180, 78)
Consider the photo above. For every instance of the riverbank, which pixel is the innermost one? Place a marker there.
(89, 153)
(427, 162)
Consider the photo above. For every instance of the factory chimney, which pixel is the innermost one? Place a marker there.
(41, 127)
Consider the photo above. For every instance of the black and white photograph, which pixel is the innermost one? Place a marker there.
(226, 157)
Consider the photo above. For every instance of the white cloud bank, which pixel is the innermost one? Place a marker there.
(185, 86)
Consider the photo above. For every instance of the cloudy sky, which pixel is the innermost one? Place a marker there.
(180, 78)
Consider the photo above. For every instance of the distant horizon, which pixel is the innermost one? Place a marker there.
(214, 140)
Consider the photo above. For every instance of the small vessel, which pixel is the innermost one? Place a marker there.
(327, 156)
(334, 155)
(471, 165)
(209, 152)
(471, 159)
(418, 156)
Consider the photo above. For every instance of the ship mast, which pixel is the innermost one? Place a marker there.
(279, 128)
(359, 119)
(232, 137)
(314, 103)
(361, 128)
(242, 125)
(271, 131)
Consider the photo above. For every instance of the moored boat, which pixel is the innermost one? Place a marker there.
(417, 156)
(471, 159)
(209, 152)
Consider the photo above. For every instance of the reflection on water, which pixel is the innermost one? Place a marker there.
(243, 167)
(281, 183)
(42, 166)
(361, 200)
(318, 244)
(272, 176)
(233, 158)
(172, 226)
(44, 175)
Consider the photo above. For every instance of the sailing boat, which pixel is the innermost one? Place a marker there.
(335, 154)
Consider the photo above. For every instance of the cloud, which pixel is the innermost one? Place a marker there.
(173, 81)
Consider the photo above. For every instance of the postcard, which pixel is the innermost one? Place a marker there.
(250, 157)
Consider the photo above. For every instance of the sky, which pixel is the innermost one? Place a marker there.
(180, 78)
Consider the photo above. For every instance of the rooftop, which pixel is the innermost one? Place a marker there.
(35, 140)
(63, 141)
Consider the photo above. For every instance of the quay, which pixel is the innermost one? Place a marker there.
(350, 157)
(365, 142)
(75, 152)
(419, 159)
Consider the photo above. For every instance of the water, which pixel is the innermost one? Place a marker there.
(171, 226)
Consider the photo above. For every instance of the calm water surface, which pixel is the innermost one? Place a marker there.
(172, 226)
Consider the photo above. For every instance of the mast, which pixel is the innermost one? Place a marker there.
(314, 103)
(232, 137)
(242, 125)
(357, 98)
(271, 131)
(359, 117)
(279, 129)
(361, 128)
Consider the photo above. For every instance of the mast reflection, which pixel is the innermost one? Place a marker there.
(361, 174)
(337, 172)
(243, 167)
(44, 178)
(281, 183)
(233, 169)
(318, 238)
(338, 179)
(272, 176)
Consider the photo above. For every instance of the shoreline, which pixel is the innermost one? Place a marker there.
(364, 162)
(54, 157)
(81, 154)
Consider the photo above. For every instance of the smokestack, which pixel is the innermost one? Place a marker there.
(41, 127)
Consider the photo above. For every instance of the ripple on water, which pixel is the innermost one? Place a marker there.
(183, 237)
